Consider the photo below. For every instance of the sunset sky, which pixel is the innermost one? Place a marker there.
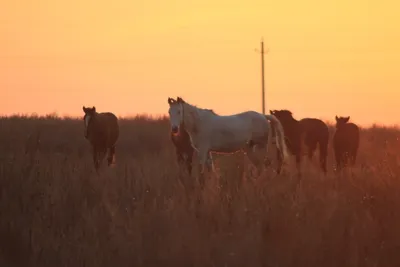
(128, 56)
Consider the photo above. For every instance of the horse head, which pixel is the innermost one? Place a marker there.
(90, 114)
(175, 114)
(285, 116)
(340, 121)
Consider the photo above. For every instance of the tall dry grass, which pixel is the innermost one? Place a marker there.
(56, 211)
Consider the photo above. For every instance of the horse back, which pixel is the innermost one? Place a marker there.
(315, 128)
(352, 129)
(348, 134)
(107, 129)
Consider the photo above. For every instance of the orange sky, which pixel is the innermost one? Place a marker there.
(326, 57)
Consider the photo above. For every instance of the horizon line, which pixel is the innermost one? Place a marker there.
(158, 116)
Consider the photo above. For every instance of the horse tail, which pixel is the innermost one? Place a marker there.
(270, 136)
(279, 135)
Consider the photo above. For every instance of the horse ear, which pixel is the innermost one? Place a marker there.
(336, 118)
(180, 100)
(171, 100)
(84, 109)
(271, 112)
(94, 109)
(347, 119)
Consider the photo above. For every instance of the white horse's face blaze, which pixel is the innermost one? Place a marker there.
(175, 117)
(86, 121)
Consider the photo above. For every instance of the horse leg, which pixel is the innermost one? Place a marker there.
(203, 158)
(95, 158)
(111, 155)
(323, 155)
(210, 163)
(189, 161)
(338, 157)
(252, 156)
(101, 155)
(250, 149)
(257, 145)
(298, 163)
(354, 156)
(280, 161)
(179, 157)
(345, 156)
(185, 161)
(311, 150)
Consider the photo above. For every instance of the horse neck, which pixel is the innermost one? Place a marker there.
(96, 119)
(289, 125)
(206, 114)
(188, 122)
(343, 126)
(288, 121)
(194, 123)
(293, 120)
(94, 115)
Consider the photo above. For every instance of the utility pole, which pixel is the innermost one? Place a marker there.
(262, 52)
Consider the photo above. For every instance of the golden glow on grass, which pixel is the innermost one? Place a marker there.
(142, 212)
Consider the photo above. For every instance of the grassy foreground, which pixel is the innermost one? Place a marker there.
(56, 211)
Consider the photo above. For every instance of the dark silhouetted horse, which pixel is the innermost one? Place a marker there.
(309, 132)
(102, 131)
(345, 142)
(183, 146)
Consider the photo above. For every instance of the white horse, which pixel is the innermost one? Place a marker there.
(210, 132)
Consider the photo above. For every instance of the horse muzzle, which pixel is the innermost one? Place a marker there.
(174, 129)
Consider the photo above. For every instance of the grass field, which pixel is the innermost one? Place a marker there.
(56, 211)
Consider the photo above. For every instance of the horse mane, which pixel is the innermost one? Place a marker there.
(283, 114)
(203, 109)
(286, 112)
(212, 111)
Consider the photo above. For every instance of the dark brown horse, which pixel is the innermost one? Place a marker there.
(308, 131)
(345, 142)
(102, 131)
(183, 146)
